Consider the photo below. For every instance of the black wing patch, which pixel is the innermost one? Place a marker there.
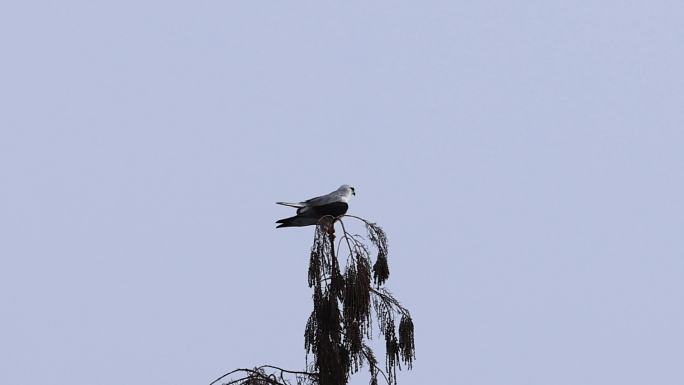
(314, 214)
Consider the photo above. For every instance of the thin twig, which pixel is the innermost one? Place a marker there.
(359, 218)
(344, 230)
(376, 367)
(391, 301)
(289, 371)
(256, 372)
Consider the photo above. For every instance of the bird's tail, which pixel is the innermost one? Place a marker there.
(296, 221)
(295, 205)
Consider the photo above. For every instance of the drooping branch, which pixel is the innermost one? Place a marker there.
(345, 301)
(258, 376)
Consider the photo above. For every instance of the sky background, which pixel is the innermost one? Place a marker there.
(525, 158)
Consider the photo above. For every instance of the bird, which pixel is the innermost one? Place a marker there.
(311, 211)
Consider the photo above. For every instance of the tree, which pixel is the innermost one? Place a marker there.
(343, 307)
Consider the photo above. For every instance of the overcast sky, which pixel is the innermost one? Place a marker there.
(525, 158)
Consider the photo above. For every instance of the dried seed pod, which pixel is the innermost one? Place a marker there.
(407, 346)
(380, 270)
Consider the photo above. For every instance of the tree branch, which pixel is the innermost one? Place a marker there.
(256, 372)
(376, 367)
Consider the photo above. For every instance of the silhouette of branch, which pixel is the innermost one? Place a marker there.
(258, 373)
(372, 363)
(389, 300)
(359, 218)
(345, 235)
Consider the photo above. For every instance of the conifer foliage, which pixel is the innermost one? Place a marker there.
(346, 299)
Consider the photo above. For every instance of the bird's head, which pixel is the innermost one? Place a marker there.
(346, 190)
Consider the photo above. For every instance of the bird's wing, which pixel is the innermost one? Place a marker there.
(317, 201)
(334, 208)
(322, 200)
(292, 204)
(311, 215)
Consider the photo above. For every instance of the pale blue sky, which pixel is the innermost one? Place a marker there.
(524, 158)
